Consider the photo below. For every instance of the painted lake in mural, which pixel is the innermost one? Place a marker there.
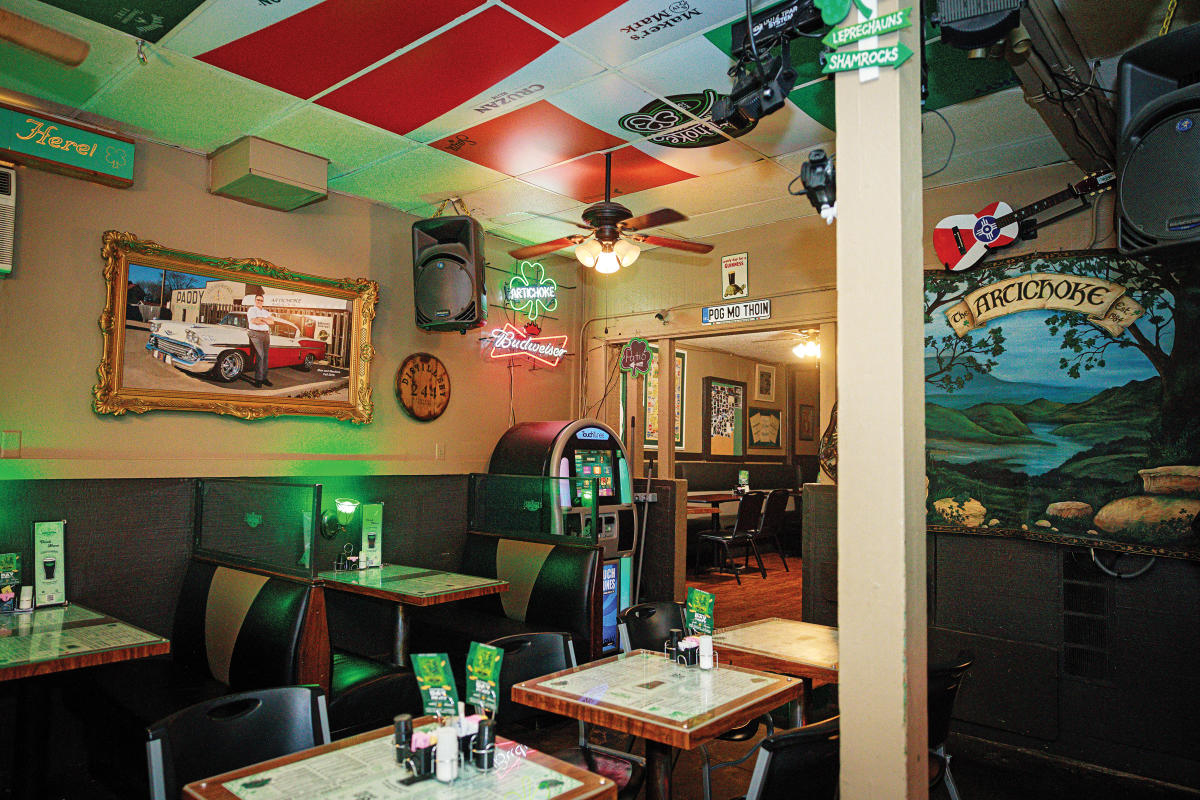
(1057, 400)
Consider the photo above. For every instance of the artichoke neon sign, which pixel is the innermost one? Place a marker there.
(530, 292)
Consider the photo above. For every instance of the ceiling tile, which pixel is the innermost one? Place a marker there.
(222, 21)
(603, 101)
(527, 139)
(27, 72)
(538, 229)
(556, 69)
(179, 100)
(347, 143)
(747, 216)
(513, 197)
(564, 18)
(792, 162)
(787, 130)
(689, 66)
(149, 20)
(700, 160)
(441, 74)
(638, 27)
(583, 178)
(311, 51)
(421, 175)
(1001, 160)
(763, 180)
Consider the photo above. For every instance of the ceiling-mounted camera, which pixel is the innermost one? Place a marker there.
(820, 184)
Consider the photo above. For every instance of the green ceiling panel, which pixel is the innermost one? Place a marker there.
(816, 100)
(37, 75)
(187, 103)
(145, 19)
(420, 175)
(347, 143)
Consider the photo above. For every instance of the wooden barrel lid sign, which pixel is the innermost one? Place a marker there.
(423, 386)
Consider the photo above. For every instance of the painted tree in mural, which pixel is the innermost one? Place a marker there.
(1167, 334)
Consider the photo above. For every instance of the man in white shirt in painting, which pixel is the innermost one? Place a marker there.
(259, 322)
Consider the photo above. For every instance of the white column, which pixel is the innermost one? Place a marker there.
(881, 432)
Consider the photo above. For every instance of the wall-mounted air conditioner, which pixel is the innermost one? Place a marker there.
(8, 218)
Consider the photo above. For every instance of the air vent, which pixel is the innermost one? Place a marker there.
(262, 173)
(8, 218)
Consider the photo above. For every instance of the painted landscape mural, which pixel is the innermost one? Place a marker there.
(1061, 400)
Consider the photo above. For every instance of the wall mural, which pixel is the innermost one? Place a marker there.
(1061, 400)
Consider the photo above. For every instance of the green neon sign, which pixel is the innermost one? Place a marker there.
(530, 292)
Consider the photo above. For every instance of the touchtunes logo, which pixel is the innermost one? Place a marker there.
(668, 126)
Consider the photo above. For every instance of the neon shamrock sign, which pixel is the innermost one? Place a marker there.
(530, 292)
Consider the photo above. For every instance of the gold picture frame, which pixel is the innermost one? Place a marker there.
(176, 336)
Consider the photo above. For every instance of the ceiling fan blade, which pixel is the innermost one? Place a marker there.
(664, 216)
(546, 247)
(675, 244)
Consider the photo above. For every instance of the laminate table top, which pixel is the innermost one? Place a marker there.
(414, 586)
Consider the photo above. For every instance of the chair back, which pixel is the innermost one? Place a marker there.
(647, 626)
(944, 680)
(800, 764)
(774, 510)
(230, 732)
(749, 514)
(528, 656)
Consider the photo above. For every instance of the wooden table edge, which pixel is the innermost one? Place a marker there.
(415, 600)
(80, 660)
(594, 786)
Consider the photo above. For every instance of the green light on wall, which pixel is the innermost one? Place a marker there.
(530, 292)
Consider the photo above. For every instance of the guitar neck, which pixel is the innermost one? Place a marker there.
(1038, 207)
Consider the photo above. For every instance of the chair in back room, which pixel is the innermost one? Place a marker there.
(749, 518)
(772, 523)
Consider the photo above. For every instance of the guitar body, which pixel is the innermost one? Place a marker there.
(961, 240)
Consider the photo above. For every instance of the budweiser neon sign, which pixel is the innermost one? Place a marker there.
(511, 342)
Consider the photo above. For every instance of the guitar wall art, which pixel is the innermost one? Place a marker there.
(961, 240)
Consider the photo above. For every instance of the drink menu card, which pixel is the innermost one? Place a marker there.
(369, 770)
(700, 611)
(436, 682)
(483, 675)
(49, 563)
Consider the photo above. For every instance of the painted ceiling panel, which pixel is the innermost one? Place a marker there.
(179, 100)
(27, 72)
(638, 27)
(507, 145)
(220, 22)
(145, 19)
(556, 69)
(421, 175)
(441, 74)
(347, 143)
(564, 17)
(700, 160)
(514, 198)
(602, 102)
(311, 51)
(583, 178)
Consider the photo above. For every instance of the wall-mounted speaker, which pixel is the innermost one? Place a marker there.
(448, 274)
(1158, 147)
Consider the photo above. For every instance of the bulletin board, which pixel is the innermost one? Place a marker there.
(724, 420)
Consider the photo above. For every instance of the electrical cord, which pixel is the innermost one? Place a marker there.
(953, 142)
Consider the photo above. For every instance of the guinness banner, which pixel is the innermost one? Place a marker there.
(1105, 303)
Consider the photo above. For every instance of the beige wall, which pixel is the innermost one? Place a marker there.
(50, 342)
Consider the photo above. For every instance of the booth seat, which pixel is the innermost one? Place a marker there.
(551, 588)
(234, 630)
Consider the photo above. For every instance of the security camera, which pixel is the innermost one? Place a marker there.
(661, 316)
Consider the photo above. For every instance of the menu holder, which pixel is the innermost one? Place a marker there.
(700, 611)
(439, 697)
(483, 676)
(49, 563)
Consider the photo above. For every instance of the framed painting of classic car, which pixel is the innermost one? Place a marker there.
(184, 331)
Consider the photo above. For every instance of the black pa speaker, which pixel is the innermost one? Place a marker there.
(1158, 147)
(448, 271)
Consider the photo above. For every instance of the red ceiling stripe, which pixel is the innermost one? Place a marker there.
(442, 74)
(583, 179)
(527, 139)
(564, 17)
(311, 51)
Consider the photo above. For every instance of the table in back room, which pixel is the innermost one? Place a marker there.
(410, 586)
(364, 766)
(668, 705)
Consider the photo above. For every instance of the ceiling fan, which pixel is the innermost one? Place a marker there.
(610, 244)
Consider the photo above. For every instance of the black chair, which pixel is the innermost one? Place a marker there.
(798, 764)
(772, 523)
(748, 519)
(531, 655)
(944, 680)
(234, 731)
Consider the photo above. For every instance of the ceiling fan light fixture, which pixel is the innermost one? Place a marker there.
(608, 263)
(626, 252)
(588, 252)
(807, 349)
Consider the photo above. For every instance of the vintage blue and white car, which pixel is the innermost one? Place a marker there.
(224, 348)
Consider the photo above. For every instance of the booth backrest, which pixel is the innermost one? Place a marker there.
(716, 476)
(241, 627)
(551, 587)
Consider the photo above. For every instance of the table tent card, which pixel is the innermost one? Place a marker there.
(436, 682)
(49, 563)
(483, 676)
(700, 611)
(10, 581)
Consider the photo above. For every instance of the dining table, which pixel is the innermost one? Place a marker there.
(45, 642)
(364, 766)
(709, 503)
(409, 586)
(669, 705)
(802, 649)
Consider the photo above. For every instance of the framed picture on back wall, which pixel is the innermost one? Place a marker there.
(764, 382)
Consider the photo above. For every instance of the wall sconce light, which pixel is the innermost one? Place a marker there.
(335, 522)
